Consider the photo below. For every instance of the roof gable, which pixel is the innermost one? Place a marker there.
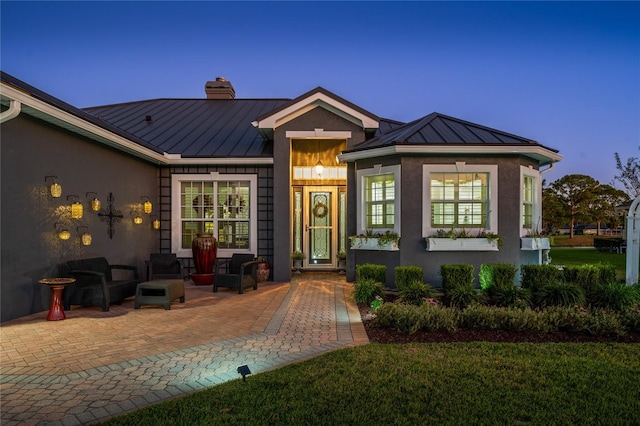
(316, 98)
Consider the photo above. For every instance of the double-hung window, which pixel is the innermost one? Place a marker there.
(379, 199)
(530, 196)
(460, 196)
(222, 205)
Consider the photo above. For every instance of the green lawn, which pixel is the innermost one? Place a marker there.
(578, 256)
(455, 383)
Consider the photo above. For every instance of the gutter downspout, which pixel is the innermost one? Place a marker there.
(14, 110)
(551, 166)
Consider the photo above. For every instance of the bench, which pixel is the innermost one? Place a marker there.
(95, 285)
(159, 292)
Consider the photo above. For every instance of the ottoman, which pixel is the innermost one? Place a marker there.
(159, 292)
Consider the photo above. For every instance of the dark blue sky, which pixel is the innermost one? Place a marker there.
(566, 74)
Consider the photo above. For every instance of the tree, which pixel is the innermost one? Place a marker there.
(553, 212)
(603, 207)
(629, 175)
(576, 193)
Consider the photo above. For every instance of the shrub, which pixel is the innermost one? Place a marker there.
(404, 318)
(456, 276)
(438, 318)
(560, 294)
(377, 273)
(503, 319)
(410, 318)
(366, 290)
(605, 322)
(618, 296)
(515, 297)
(630, 319)
(586, 276)
(497, 275)
(607, 244)
(415, 293)
(535, 277)
(463, 296)
(407, 275)
(562, 318)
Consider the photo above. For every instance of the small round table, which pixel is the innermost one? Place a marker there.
(57, 285)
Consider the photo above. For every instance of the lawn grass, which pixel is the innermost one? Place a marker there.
(449, 383)
(579, 256)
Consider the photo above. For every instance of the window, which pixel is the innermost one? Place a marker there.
(380, 200)
(530, 196)
(459, 200)
(222, 205)
(378, 189)
(460, 196)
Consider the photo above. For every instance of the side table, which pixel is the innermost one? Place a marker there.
(57, 285)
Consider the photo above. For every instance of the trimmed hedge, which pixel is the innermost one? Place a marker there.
(455, 276)
(607, 244)
(378, 273)
(535, 277)
(407, 275)
(497, 275)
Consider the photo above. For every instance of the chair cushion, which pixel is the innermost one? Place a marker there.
(237, 260)
(97, 264)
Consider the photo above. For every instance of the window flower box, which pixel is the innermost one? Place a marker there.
(374, 243)
(528, 243)
(461, 244)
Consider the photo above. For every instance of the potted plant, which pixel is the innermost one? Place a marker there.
(463, 240)
(263, 269)
(387, 241)
(341, 257)
(297, 257)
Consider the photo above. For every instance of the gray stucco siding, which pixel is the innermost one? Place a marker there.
(31, 250)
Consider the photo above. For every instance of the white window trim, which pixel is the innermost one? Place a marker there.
(459, 167)
(536, 217)
(378, 169)
(176, 228)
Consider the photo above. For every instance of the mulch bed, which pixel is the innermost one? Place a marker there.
(380, 334)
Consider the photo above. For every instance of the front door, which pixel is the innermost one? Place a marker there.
(320, 224)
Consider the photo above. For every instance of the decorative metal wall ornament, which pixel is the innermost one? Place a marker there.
(110, 215)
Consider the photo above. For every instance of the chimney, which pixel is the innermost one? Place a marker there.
(219, 89)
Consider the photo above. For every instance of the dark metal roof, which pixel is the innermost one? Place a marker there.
(439, 129)
(57, 103)
(195, 127)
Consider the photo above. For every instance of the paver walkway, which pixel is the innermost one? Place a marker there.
(95, 365)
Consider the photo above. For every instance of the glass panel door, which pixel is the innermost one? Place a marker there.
(320, 242)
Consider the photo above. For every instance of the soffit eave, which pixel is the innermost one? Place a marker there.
(541, 154)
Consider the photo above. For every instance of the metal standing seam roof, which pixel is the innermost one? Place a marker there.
(439, 129)
(195, 127)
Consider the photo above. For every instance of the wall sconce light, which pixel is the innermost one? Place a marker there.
(63, 233)
(55, 188)
(147, 206)
(95, 203)
(156, 222)
(319, 168)
(85, 237)
(137, 219)
(76, 208)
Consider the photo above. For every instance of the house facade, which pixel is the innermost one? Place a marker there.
(265, 176)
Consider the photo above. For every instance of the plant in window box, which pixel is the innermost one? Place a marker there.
(534, 240)
(387, 241)
(463, 240)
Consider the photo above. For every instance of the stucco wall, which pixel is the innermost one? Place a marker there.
(31, 250)
(413, 249)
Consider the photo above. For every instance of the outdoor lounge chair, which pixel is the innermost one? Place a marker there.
(162, 266)
(239, 272)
